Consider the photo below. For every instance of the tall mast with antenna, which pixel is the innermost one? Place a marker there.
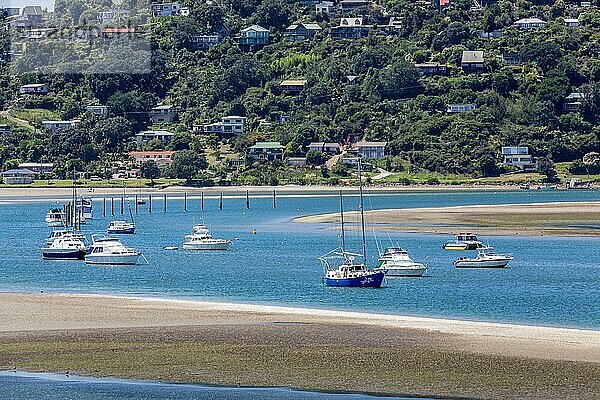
(362, 212)
(342, 217)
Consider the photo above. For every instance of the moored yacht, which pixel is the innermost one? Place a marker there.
(201, 239)
(85, 206)
(486, 258)
(463, 241)
(107, 250)
(396, 262)
(66, 247)
(58, 233)
(121, 227)
(55, 217)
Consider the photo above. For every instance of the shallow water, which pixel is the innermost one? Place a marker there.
(28, 386)
(552, 281)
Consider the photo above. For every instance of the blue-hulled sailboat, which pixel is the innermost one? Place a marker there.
(340, 268)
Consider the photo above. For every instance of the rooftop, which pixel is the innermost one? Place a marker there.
(268, 145)
(293, 83)
(472, 56)
(256, 28)
(371, 144)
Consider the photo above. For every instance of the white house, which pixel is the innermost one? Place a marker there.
(163, 114)
(325, 7)
(18, 176)
(34, 88)
(371, 149)
(4, 129)
(165, 9)
(518, 156)
(97, 110)
(571, 22)
(266, 151)
(530, 23)
(296, 161)
(230, 124)
(37, 168)
(107, 17)
(323, 147)
(146, 136)
(458, 108)
(254, 35)
(57, 125)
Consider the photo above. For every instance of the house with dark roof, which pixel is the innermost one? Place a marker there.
(254, 36)
(34, 88)
(205, 41)
(472, 61)
(350, 28)
(266, 151)
(18, 176)
(431, 69)
(302, 31)
(572, 102)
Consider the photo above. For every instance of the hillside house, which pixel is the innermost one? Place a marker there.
(97, 110)
(572, 102)
(349, 5)
(472, 61)
(296, 161)
(371, 149)
(325, 7)
(254, 36)
(231, 124)
(323, 147)
(458, 108)
(394, 26)
(431, 69)
(144, 137)
(165, 9)
(350, 28)
(511, 59)
(5, 129)
(162, 114)
(111, 33)
(18, 176)
(205, 41)
(31, 17)
(53, 126)
(518, 156)
(292, 87)
(161, 158)
(571, 22)
(268, 151)
(37, 34)
(38, 168)
(530, 23)
(107, 17)
(34, 88)
(11, 11)
(297, 32)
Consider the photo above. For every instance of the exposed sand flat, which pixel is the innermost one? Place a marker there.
(559, 219)
(242, 344)
(39, 312)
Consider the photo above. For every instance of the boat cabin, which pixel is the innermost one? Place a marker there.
(466, 237)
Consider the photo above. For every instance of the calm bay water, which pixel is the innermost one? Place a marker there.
(552, 281)
(22, 386)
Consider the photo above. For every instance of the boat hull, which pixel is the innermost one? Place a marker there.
(481, 264)
(58, 254)
(112, 259)
(125, 231)
(374, 279)
(461, 246)
(206, 246)
(402, 271)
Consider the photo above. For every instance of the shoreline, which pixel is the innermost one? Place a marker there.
(567, 218)
(204, 342)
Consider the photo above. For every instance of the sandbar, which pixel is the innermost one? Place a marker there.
(259, 345)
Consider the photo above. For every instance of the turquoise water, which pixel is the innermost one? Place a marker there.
(26, 386)
(552, 281)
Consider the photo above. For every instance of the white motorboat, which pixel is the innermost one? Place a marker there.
(55, 217)
(85, 206)
(121, 227)
(463, 241)
(107, 250)
(58, 233)
(66, 247)
(201, 239)
(486, 258)
(396, 262)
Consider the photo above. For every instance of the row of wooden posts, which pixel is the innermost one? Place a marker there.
(121, 203)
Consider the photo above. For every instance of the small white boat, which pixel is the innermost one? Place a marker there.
(486, 258)
(55, 217)
(463, 241)
(85, 206)
(121, 227)
(396, 262)
(57, 233)
(66, 247)
(201, 239)
(107, 250)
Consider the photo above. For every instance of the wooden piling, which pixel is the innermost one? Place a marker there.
(122, 204)
(201, 201)
(150, 203)
(112, 206)
(247, 200)
(184, 201)
(136, 203)
(165, 198)
(221, 201)
(104, 207)
(274, 201)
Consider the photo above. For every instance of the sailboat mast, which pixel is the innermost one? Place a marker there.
(362, 212)
(342, 217)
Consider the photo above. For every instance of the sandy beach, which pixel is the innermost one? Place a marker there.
(241, 344)
(538, 219)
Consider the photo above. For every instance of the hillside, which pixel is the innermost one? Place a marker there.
(399, 80)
